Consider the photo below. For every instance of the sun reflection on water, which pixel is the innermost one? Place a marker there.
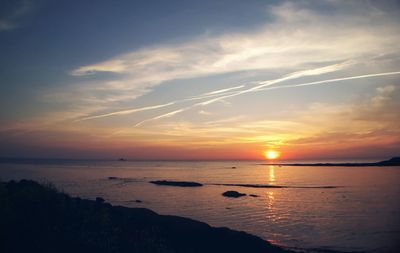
(270, 206)
(271, 177)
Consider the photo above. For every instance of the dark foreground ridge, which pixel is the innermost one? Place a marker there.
(37, 218)
(176, 183)
(395, 161)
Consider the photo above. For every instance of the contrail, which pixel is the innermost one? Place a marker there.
(271, 88)
(298, 74)
(228, 92)
(130, 111)
(223, 90)
(166, 115)
(333, 80)
(218, 95)
(127, 111)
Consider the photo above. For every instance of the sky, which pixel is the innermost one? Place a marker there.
(200, 80)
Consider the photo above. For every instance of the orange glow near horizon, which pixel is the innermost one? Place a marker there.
(271, 154)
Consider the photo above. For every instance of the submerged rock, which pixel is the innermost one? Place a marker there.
(112, 178)
(233, 194)
(254, 195)
(176, 183)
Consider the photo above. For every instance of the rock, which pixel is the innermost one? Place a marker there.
(138, 201)
(254, 195)
(100, 200)
(233, 194)
(112, 178)
(176, 183)
(32, 221)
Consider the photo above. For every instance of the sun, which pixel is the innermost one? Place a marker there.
(271, 154)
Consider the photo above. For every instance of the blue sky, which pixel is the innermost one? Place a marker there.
(208, 79)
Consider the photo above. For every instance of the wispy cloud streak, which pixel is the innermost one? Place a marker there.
(264, 88)
(333, 80)
(166, 115)
(299, 74)
(297, 36)
(224, 90)
(221, 94)
(124, 112)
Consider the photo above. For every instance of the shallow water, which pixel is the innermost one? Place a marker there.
(361, 214)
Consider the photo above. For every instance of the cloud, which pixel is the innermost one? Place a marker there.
(380, 109)
(297, 41)
(224, 90)
(124, 112)
(299, 74)
(297, 38)
(260, 86)
(333, 80)
(202, 112)
(264, 86)
(383, 95)
(116, 66)
(12, 13)
(366, 127)
(165, 115)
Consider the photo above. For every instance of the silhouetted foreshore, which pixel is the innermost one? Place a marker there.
(38, 218)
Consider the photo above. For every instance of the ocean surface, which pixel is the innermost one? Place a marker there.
(360, 212)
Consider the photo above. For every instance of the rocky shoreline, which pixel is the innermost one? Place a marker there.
(38, 218)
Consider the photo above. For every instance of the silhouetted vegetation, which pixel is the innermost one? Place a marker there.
(38, 218)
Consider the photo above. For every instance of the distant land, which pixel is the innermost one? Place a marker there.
(395, 161)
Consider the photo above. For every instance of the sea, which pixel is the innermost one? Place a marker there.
(318, 209)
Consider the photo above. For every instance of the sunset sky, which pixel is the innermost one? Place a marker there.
(200, 79)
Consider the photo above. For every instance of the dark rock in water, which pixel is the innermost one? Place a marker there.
(112, 178)
(233, 194)
(233, 167)
(176, 183)
(100, 200)
(138, 201)
(121, 159)
(35, 218)
(254, 195)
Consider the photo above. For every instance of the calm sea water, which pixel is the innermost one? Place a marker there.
(361, 214)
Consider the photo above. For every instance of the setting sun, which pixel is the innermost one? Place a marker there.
(271, 154)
